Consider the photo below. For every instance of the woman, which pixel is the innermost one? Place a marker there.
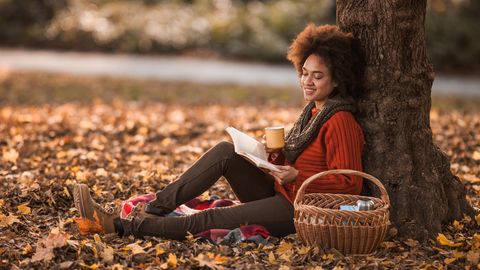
(324, 137)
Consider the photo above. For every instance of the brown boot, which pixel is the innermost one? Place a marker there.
(100, 218)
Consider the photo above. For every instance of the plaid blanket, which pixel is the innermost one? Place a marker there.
(255, 233)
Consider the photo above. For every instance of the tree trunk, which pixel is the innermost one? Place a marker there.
(394, 113)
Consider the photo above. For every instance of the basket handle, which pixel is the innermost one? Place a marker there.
(383, 191)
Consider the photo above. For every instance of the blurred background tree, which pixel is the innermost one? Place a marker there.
(247, 29)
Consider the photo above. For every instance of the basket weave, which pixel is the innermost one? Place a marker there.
(319, 221)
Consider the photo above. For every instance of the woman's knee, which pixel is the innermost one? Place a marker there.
(224, 148)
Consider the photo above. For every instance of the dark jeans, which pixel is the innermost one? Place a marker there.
(253, 187)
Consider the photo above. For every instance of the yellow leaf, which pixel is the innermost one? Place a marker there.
(338, 268)
(271, 258)
(172, 260)
(476, 241)
(304, 250)
(10, 156)
(24, 209)
(205, 196)
(27, 249)
(91, 267)
(388, 244)
(159, 251)
(284, 247)
(2, 202)
(457, 225)
(442, 240)
(328, 256)
(477, 219)
(449, 260)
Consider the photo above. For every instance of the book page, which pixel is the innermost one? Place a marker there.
(246, 144)
(260, 162)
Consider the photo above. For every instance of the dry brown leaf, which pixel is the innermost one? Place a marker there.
(135, 248)
(457, 225)
(473, 257)
(45, 247)
(271, 258)
(8, 220)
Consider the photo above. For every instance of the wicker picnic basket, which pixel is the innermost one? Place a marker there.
(319, 221)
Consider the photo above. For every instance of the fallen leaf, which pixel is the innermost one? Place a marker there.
(411, 243)
(284, 247)
(8, 220)
(27, 249)
(135, 248)
(159, 251)
(172, 260)
(449, 260)
(10, 156)
(443, 240)
(476, 155)
(81, 176)
(271, 258)
(24, 209)
(471, 178)
(473, 256)
(45, 247)
(457, 225)
(87, 227)
(2, 202)
(91, 267)
(101, 172)
(388, 244)
(477, 219)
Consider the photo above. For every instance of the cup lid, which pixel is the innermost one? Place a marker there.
(276, 127)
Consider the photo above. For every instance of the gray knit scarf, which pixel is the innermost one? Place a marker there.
(304, 130)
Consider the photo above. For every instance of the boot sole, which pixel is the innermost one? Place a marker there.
(78, 198)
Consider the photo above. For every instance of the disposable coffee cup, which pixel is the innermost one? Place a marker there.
(275, 137)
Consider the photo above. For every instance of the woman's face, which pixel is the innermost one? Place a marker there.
(316, 80)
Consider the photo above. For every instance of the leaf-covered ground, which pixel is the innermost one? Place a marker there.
(123, 149)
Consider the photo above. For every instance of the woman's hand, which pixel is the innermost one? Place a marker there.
(286, 175)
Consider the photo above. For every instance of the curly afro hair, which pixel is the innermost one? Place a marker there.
(339, 50)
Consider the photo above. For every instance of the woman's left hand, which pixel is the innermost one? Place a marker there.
(286, 175)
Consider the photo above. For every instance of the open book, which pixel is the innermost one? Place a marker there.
(250, 149)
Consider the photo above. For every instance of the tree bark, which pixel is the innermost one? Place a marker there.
(394, 111)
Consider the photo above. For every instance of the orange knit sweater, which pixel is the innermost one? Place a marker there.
(338, 145)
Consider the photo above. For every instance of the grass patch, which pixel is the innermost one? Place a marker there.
(40, 88)
(44, 88)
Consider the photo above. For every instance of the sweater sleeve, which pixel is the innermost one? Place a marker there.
(343, 142)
